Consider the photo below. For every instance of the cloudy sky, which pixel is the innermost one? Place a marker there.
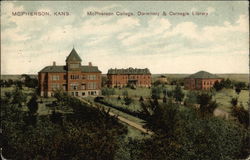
(217, 42)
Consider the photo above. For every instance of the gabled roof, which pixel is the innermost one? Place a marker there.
(129, 71)
(73, 56)
(203, 74)
(54, 69)
(61, 69)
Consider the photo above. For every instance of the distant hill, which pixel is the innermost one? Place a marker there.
(16, 76)
(232, 76)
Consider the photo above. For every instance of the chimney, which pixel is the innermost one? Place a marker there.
(54, 63)
(90, 64)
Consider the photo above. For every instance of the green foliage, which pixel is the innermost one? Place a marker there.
(30, 82)
(164, 100)
(218, 86)
(125, 93)
(180, 133)
(86, 133)
(108, 91)
(178, 93)
(207, 105)
(223, 84)
(119, 98)
(18, 96)
(156, 92)
(241, 114)
(141, 99)
(234, 102)
(128, 100)
(191, 98)
(32, 105)
(239, 86)
(170, 93)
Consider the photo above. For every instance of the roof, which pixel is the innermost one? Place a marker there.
(73, 56)
(129, 71)
(60, 69)
(203, 74)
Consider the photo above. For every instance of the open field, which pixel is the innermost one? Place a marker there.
(222, 97)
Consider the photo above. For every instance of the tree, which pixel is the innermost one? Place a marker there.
(30, 82)
(85, 133)
(170, 93)
(207, 105)
(241, 114)
(191, 98)
(108, 91)
(104, 81)
(238, 90)
(128, 100)
(218, 86)
(164, 100)
(119, 98)
(164, 91)
(180, 133)
(234, 102)
(178, 93)
(33, 105)
(18, 97)
(156, 92)
(141, 99)
(228, 83)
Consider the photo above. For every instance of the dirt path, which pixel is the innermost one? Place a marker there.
(221, 113)
(131, 123)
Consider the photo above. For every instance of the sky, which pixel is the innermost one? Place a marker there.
(217, 42)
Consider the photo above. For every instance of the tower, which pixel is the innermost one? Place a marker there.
(73, 61)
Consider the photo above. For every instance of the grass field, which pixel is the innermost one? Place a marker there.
(222, 97)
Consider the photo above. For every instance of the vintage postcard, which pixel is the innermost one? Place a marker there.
(125, 80)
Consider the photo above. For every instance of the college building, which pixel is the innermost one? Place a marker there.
(130, 76)
(73, 78)
(201, 80)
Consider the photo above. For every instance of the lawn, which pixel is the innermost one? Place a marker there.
(224, 97)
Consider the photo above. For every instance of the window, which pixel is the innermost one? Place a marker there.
(83, 76)
(74, 76)
(83, 86)
(91, 77)
(72, 93)
(55, 77)
(76, 93)
(76, 65)
(83, 93)
(91, 85)
(55, 86)
(74, 86)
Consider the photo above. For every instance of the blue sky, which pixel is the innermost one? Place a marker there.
(217, 43)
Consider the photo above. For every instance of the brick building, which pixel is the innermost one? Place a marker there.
(74, 78)
(129, 76)
(201, 81)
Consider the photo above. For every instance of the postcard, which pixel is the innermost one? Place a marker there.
(102, 80)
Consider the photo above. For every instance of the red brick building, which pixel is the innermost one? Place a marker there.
(201, 81)
(74, 78)
(129, 76)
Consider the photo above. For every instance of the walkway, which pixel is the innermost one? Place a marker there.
(129, 122)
